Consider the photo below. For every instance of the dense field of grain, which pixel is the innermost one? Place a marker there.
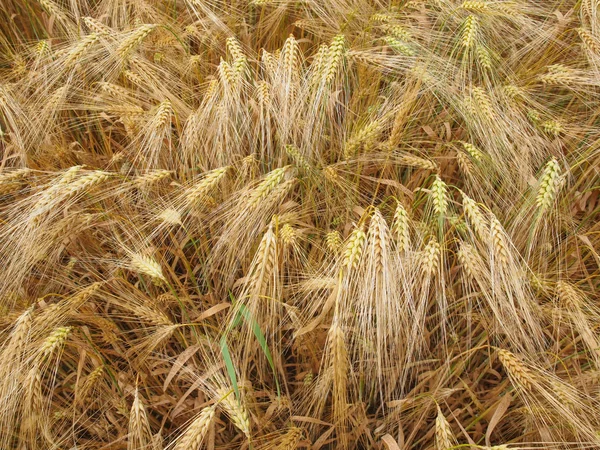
(299, 224)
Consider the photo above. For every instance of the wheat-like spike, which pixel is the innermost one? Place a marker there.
(19, 335)
(51, 7)
(118, 92)
(85, 182)
(473, 151)
(235, 411)
(290, 440)
(196, 431)
(365, 137)
(467, 257)
(381, 17)
(211, 179)
(150, 178)
(84, 294)
(55, 341)
(42, 47)
(134, 40)
(333, 240)
(430, 257)
(589, 41)
(549, 185)
(552, 127)
(266, 258)
(512, 91)
(11, 181)
(240, 66)
(439, 196)
(483, 56)
(397, 31)
(268, 185)
(483, 102)
(474, 6)
(477, 220)
(289, 55)
(336, 342)
(470, 30)
(559, 74)
(334, 57)
(568, 294)
(226, 73)
(139, 429)
(354, 248)
(133, 77)
(152, 315)
(96, 26)
(89, 384)
(147, 266)
(415, 161)
(268, 61)
(234, 48)
(33, 404)
(298, 158)
(288, 235)
(444, 438)
(399, 45)
(319, 60)
(263, 93)
(464, 163)
(170, 216)
(400, 226)
(518, 372)
(497, 235)
(379, 234)
(533, 116)
(83, 45)
(163, 114)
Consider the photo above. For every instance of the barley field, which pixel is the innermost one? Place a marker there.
(299, 224)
